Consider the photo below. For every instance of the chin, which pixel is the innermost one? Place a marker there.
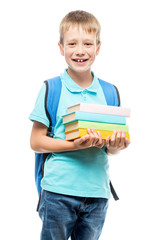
(78, 70)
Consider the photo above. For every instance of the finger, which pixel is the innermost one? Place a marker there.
(127, 142)
(118, 138)
(94, 137)
(100, 141)
(122, 142)
(113, 138)
(91, 136)
(82, 139)
(100, 145)
(89, 130)
(108, 141)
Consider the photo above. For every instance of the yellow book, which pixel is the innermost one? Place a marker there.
(83, 131)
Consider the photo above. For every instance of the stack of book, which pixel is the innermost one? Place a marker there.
(103, 118)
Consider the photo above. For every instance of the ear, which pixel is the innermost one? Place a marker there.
(61, 48)
(98, 48)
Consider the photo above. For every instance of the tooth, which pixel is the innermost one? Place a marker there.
(79, 60)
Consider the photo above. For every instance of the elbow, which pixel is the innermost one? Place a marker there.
(37, 137)
(34, 145)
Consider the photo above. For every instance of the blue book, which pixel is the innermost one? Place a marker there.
(94, 117)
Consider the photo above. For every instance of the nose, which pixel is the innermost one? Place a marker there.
(80, 50)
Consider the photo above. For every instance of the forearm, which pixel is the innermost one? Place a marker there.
(41, 143)
(45, 144)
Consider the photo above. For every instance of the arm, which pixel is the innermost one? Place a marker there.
(116, 142)
(43, 144)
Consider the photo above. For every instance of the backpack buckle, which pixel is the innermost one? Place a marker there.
(50, 131)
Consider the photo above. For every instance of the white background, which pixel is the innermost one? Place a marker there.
(130, 59)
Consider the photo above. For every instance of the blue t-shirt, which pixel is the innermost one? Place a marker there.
(81, 173)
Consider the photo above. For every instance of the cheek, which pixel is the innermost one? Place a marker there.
(92, 52)
(68, 52)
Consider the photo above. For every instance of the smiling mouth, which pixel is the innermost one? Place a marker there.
(80, 60)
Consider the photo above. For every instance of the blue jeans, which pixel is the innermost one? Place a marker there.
(66, 216)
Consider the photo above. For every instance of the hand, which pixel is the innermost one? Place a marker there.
(117, 142)
(92, 139)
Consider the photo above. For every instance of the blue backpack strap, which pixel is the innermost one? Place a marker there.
(53, 91)
(110, 92)
(113, 99)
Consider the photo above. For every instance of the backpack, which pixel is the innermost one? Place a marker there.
(53, 92)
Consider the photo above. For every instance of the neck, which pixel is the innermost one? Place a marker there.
(83, 79)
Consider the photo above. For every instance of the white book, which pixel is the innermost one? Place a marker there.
(98, 108)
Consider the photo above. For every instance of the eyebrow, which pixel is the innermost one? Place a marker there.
(71, 40)
(74, 39)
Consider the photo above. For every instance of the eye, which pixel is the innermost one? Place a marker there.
(88, 44)
(72, 44)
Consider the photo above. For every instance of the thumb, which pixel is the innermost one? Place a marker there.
(82, 139)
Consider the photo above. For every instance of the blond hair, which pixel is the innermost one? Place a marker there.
(80, 18)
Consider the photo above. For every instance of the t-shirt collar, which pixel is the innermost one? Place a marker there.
(74, 87)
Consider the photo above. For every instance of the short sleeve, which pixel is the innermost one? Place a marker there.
(39, 114)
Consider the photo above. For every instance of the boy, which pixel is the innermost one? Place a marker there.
(75, 184)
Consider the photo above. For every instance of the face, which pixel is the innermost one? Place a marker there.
(79, 49)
